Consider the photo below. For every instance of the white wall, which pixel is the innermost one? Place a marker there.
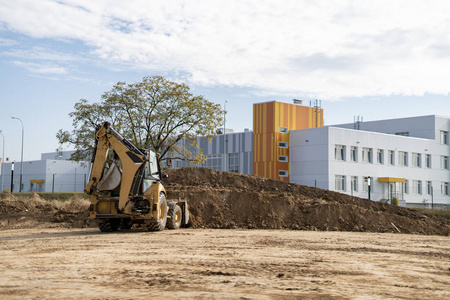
(58, 176)
(421, 127)
(308, 157)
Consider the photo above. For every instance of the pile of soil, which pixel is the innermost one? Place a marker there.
(32, 211)
(230, 200)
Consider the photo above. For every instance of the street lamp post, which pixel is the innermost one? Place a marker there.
(3, 157)
(21, 157)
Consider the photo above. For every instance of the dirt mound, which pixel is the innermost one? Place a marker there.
(230, 200)
(32, 211)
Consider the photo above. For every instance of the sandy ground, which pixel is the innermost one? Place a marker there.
(222, 264)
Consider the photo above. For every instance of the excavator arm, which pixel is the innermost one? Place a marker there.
(132, 160)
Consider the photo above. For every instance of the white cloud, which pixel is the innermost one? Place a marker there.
(7, 42)
(325, 49)
(37, 68)
(40, 53)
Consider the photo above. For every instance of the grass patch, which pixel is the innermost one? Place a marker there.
(49, 196)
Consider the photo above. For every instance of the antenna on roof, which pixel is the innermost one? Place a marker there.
(357, 122)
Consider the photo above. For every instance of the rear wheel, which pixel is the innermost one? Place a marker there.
(160, 223)
(174, 217)
(126, 224)
(109, 225)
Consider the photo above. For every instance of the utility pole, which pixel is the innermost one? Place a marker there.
(21, 157)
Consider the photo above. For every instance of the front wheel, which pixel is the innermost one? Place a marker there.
(175, 216)
(160, 223)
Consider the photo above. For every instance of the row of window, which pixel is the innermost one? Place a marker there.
(417, 185)
(215, 162)
(402, 158)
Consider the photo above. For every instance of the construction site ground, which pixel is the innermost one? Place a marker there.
(249, 238)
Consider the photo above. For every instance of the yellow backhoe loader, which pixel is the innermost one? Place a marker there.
(125, 187)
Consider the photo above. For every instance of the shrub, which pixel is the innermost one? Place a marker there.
(395, 201)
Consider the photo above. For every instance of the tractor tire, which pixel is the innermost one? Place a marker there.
(109, 225)
(175, 216)
(160, 224)
(126, 224)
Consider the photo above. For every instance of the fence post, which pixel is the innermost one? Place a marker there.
(53, 184)
(12, 177)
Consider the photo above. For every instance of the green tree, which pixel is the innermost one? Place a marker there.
(153, 114)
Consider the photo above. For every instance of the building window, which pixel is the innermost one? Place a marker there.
(417, 160)
(283, 173)
(354, 154)
(282, 145)
(404, 133)
(428, 160)
(339, 152)
(444, 162)
(214, 162)
(444, 137)
(402, 158)
(283, 130)
(340, 183)
(233, 162)
(391, 157)
(354, 186)
(417, 187)
(444, 188)
(406, 187)
(380, 156)
(367, 155)
(429, 187)
(283, 158)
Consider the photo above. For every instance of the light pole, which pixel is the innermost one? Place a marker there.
(3, 157)
(224, 136)
(21, 157)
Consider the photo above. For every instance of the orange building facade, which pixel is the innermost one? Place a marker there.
(272, 122)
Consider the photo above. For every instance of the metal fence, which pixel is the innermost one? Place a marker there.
(55, 183)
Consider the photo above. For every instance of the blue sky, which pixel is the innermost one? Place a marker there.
(376, 59)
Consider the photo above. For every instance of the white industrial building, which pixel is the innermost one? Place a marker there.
(53, 173)
(405, 158)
